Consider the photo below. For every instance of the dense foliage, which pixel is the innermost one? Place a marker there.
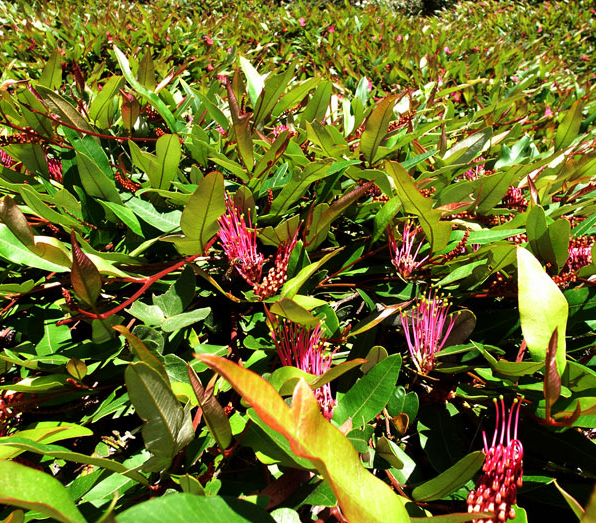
(289, 262)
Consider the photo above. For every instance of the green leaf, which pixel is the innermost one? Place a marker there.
(569, 128)
(387, 450)
(64, 109)
(94, 180)
(43, 434)
(256, 82)
(450, 480)
(362, 497)
(57, 452)
(102, 109)
(186, 508)
(165, 168)
(168, 427)
(125, 214)
(15, 220)
(375, 128)
(317, 106)
(491, 190)
(571, 501)
(215, 417)
(31, 489)
(164, 221)
(293, 286)
(51, 76)
(288, 308)
(413, 202)
(146, 71)
(142, 352)
(154, 100)
(370, 394)
(461, 517)
(552, 379)
(185, 319)
(271, 93)
(206, 205)
(84, 276)
(542, 308)
(468, 148)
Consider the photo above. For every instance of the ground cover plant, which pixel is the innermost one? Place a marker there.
(297, 262)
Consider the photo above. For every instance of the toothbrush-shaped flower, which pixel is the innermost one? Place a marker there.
(426, 328)
(278, 274)
(404, 257)
(239, 242)
(496, 490)
(300, 347)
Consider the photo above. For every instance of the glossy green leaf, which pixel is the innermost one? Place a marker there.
(168, 427)
(569, 128)
(15, 220)
(542, 308)
(102, 110)
(51, 75)
(84, 276)
(215, 417)
(467, 149)
(206, 205)
(375, 128)
(31, 489)
(288, 308)
(165, 168)
(370, 394)
(293, 285)
(451, 479)
(94, 180)
(142, 352)
(186, 508)
(363, 497)
(58, 452)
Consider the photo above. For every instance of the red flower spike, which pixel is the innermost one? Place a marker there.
(426, 329)
(402, 257)
(300, 347)
(278, 274)
(496, 490)
(239, 242)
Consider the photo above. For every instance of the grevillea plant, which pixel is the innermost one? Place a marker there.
(267, 263)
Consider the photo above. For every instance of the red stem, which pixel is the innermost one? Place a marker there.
(150, 280)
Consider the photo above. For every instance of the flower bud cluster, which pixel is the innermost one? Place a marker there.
(496, 490)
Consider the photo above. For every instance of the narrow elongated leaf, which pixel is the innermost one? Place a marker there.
(542, 309)
(142, 352)
(94, 180)
(450, 480)
(188, 508)
(370, 394)
(363, 497)
(460, 517)
(168, 427)
(164, 170)
(569, 127)
(84, 276)
(470, 147)
(51, 76)
(15, 220)
(552, 379)
(292, 286)
(41, 434)
(272, 92)
(102, 110)
(214, 416)
(574, 505)
(31, 489)
(58, 452)
(375, 128)
(288, 308)
(206, 205)
(146, 72)
(242, 131)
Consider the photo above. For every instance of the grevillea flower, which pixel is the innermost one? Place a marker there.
(239, 242)
(278, 274)
(496, 490)
(6, 160)
(580, 252)
(402, 257)
(426, 329)
(300, 347)
(55, 169)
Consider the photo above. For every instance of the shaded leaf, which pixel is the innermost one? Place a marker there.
(84, 276)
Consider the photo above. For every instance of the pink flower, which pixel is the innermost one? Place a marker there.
(496, 490)
(548, 111)
(278, 274)
(239, 242)
(331, 29)
(402, 257)
(6, 160)
(300, 347)
(302, 21)
(208, 40)
(426, 329)
(447, 50)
